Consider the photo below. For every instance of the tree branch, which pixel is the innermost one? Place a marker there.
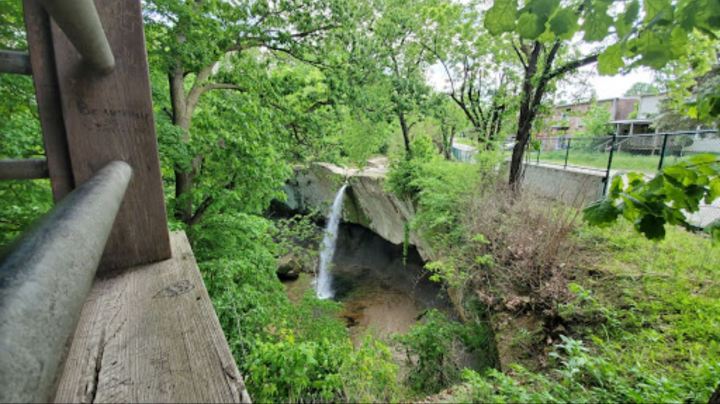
(570, 66)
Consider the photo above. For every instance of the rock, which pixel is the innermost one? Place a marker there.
(289, 268)
(367, 202)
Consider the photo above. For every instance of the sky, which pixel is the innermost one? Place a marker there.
(604, 86)
(615, 86)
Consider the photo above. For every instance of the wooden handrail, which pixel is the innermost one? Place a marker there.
(27, 169)
(44, 281)
(15, 62)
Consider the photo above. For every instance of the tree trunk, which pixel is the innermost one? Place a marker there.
(405, 132)
(715, 397)
(531, 98)
(183, 175)
(448, 149)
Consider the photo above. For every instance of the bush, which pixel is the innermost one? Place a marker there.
(437, 349)
(405, 170)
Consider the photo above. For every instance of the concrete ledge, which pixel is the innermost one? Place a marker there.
(572, 185)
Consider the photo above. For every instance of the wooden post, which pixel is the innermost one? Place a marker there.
(110, 117)
(47, 93)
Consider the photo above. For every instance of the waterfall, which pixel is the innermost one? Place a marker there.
(323, 286)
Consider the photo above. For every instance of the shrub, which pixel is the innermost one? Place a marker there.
(431, 348)
(437, 349)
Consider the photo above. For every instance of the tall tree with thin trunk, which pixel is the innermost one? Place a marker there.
(480, 70)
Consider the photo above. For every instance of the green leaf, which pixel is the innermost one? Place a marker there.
(564, 23)
(704, 158)
(596, 25)
(530, 26)
(713, 190)
(653, 227)
(658, 11)
(600, 213)
(501, 17)
(714, 230)
(610, 61)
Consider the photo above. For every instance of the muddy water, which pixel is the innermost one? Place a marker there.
(380, 293)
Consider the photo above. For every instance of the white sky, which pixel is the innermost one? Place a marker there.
(615, 86)
(605, 86)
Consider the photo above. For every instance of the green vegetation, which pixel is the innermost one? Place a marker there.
(545, 308)
(643, 328)
(666, 199)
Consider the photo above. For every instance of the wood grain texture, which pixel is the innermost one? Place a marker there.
(150, 334)
(47, 93)
(110, 117)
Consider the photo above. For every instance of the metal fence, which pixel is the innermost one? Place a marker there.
(647, 153)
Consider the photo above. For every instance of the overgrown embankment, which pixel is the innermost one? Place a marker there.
(578, 313)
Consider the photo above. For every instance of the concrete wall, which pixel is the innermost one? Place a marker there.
(574, 186)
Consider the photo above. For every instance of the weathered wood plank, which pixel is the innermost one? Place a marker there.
(14, 62)
(150, 334)
(110, 117)
(23, 169)
(47, 93)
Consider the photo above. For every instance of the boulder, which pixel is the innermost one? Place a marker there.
(367, 202)
(289, 268)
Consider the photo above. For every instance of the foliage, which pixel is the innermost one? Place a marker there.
(481, 70)
(624, 34)
(641, 88)
(433, 349)
(643, 328)
(299, 237)
(596, 121)
(406, 169)
(295, 371)
(23, 201)
(370, 375)
(668, 198)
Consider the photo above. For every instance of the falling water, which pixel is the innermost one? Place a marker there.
(323, 286)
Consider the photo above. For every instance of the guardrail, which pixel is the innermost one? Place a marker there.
(45, 278)
(28, 169)
(79, 20)
(14, 62)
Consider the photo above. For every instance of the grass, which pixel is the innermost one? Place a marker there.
(644, 326)
(623, 161)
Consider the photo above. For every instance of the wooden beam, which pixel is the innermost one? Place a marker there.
(27, 169)
(150, 334)
(47, 93)
(110, 117)
(14, 62)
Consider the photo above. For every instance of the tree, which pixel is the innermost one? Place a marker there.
(641, 88)
(649, 33)
(480, 70)
(396, 38)
(445, 122)
(202, 46)
(596, 121)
